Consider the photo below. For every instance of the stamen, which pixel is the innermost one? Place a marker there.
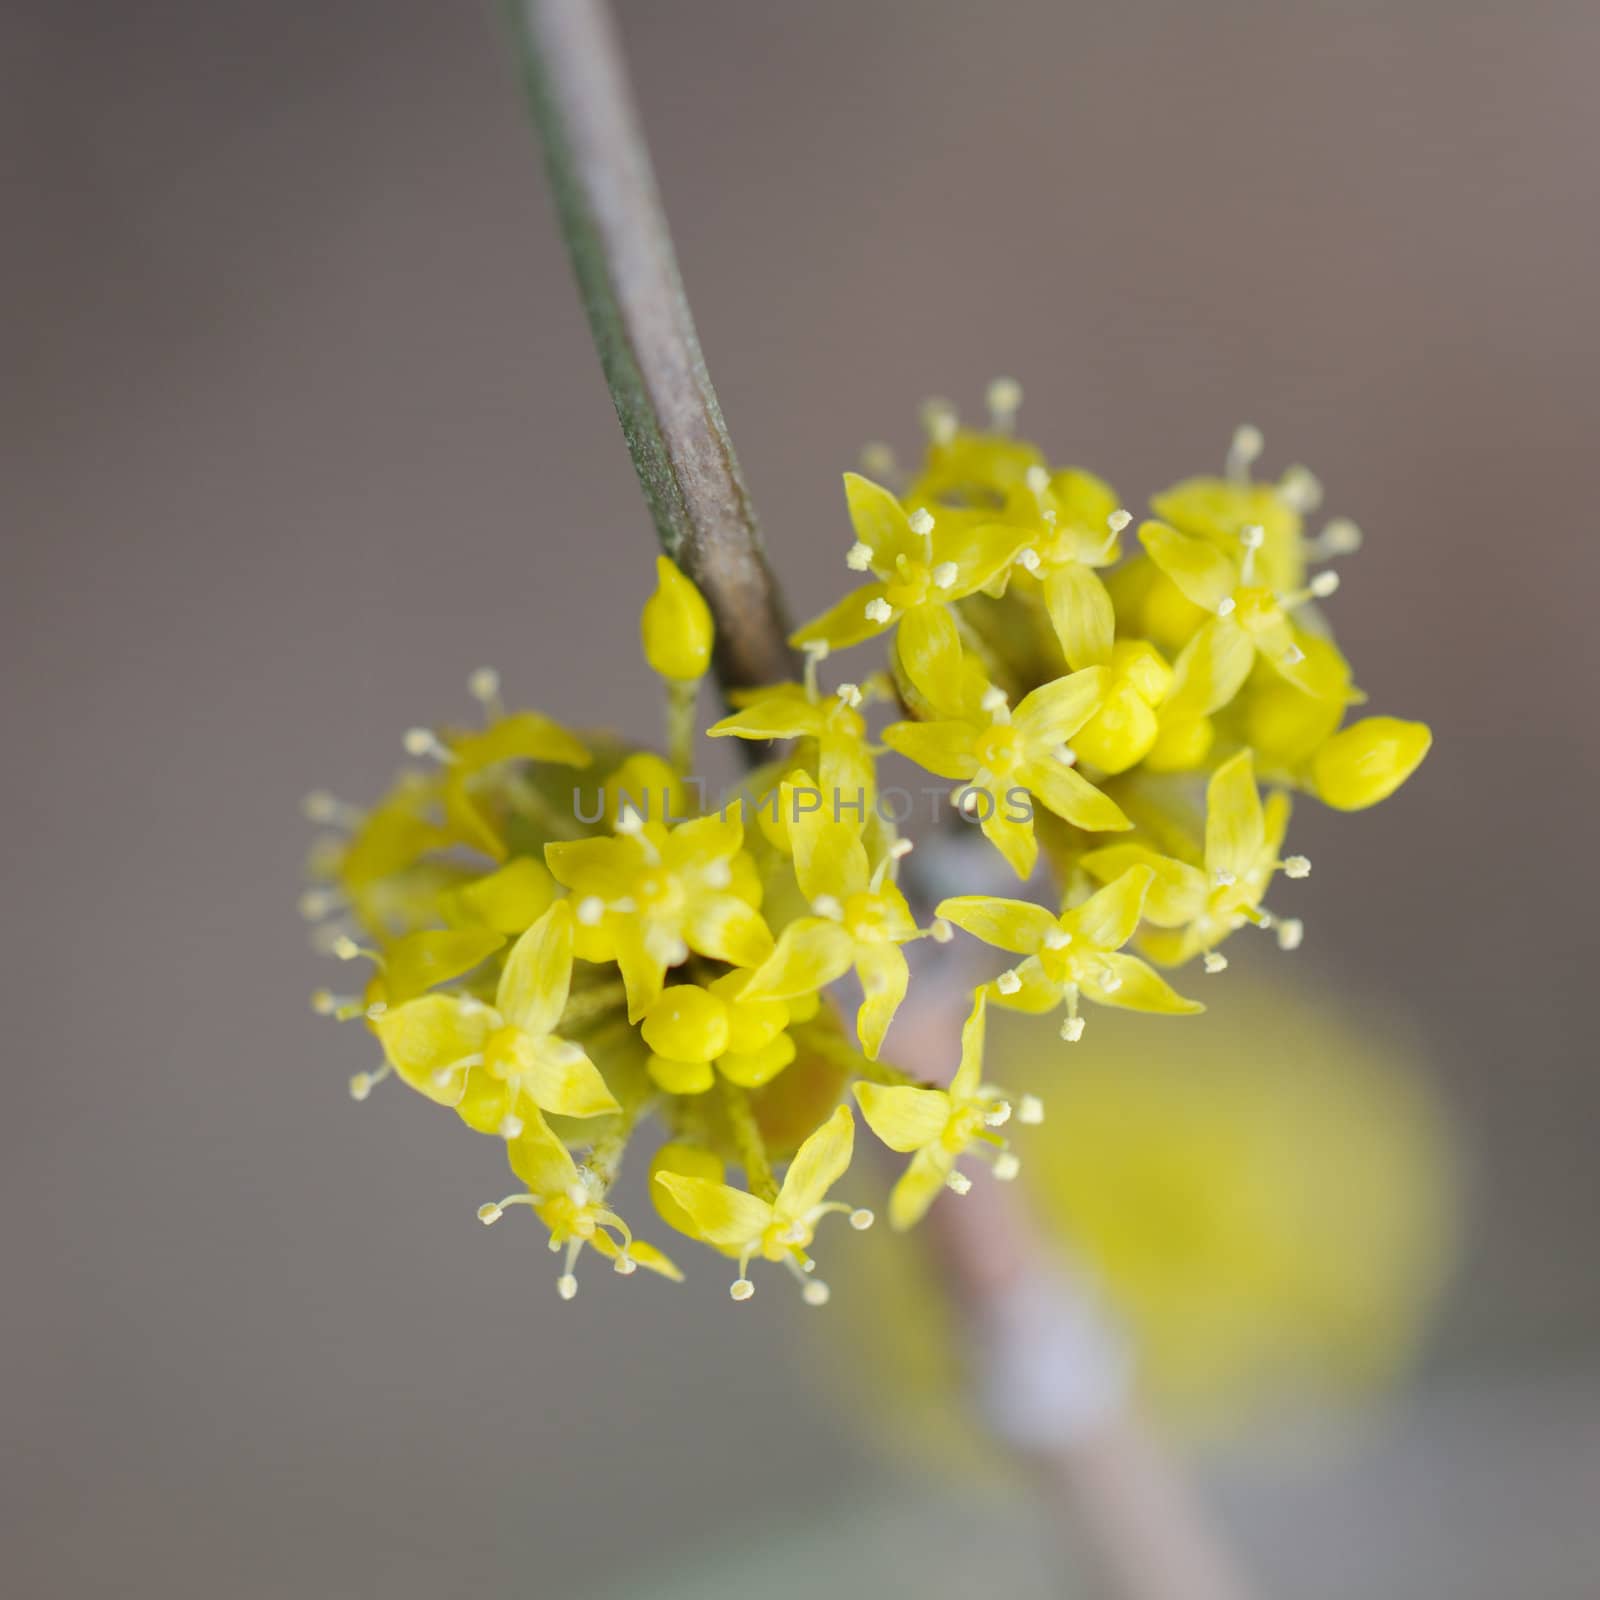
(1072, 1029)
(315, 904)
(945, 575)
(816, 1293)
(1006, 1166)
(629, 821)
(1004, 400)
(1299, 489)
(1252, 536)
(567, 1285)
(363, 1083)
(1008, 982)
(741, 1289)
(1066, 755)
(940, 420)
(1057, 939)
(1037, 480)
(1030, 1110)
(590, 910)
(329, 811)
(958, 1183)
(879, 611)
(717, 875)
(994, 699)
(1293, 656)
(1214, 961)
(1028, 559)
(858, 557)
(941, 931)
(850, 694)
(1118, 520)
(625, 1264)
(998, 1115)
(878, 461)
(484, 687)
(421, 742)
(1247, 445)
(1341, 537)
(1226, 606)
(921, 521)
(1324, 584)
(1224, 878)
(510, 1126)
(1297, 866)
(1290, 931)
(861, 1219)
(825, 905)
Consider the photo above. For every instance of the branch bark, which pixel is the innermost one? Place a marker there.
(622, 256)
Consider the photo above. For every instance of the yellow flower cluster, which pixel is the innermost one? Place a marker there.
(566, 938)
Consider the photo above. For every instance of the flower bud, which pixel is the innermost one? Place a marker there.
(676, 627)
(683, 1161)
(1368, 761)
(687, 1024)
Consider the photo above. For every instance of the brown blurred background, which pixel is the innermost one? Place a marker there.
(301, 424)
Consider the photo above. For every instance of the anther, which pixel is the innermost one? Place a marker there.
(1341, 537)
(345, 948)
(879, 611)
(625, 1265)
(510, 1126)
(958, 1183)
(850, 694)
(858, 557)
(1252, 536)
(1066, 755)
(717, 875)
(940, 420)
(315, 904)
(1008, 982)
(590, 910)
(490, 1213)
(1006, 1166)
(421, 742)
(941, 931)
(998, 1115)
(1324, 584)
(566, 1286)
(1297, 866)
(1290, 931)
(484, 685)
(1118, 520)
(1226, 606)
(825, 905)
(1299, 489)
(1224, 878)
(1004, 400)
(1293, 656)
(321, 807)
(1072, 1029)
(861, 1219)
(878, 460)
(1028, 559)
(1057, 939)
(1030, 1110)
(945, 575)
(629, 821)
(1247, 445)
(900, 849)
(815, 1293)
(741, 1289)
(1037, 480)
(363, 1083)
(994, 699)
(1214, 961)
(921, 521)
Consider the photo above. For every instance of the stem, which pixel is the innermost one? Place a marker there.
(621, 251)
(747, 1137)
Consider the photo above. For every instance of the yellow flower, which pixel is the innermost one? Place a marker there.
(801, 711)
(675, 627)
(1248, 618)
(1004, 757)
(695, 1032)
(650, 894)
(1193, 910)
(859, 919)
(1122, 732)
(1078, 523)
(1077, 954)
(937, 1126)
(780, 1229)
(507, 900)
(1368, 761)
(500, 1065)
(571, 1202)
(921, 563)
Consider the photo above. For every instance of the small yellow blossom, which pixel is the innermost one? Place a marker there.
(1007, 758)
(571, 1202)
(499, 1066)
(1122, 732)
(650, 894)
(920, 562)
(1248, 618)
(1368, 761)
(1077, 954)
(937, 1126)
(781, 1229)
(675, 627)
(696, 1032)
(859, 919)
(1193, 909)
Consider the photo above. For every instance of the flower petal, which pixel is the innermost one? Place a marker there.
(774, 716)
(880, 522)
(420, 960)
(1201, 571)
(511, 899)
(564, 1081)
(538, 973)
(603, 867)
(1018, 925)
(919, 1186)
(942, 748)
(430, 1036)
(1140, 989)
(1069, 794)
(1211, 668)
(846, 623)
(929, 649)
(1010, 834)
(721, 1215)
(818, 1164)
(903, 1117)
(1055, 711)
(884, 978)
(1235, 828)
(1080, 611)
(1107, 919)
(964, 1085)
(1039, 992)
(750, 1069)
(541, 1160)
(810, 953)
(729, 929)
(1177, 892)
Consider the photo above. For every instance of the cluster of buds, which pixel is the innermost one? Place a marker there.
(565, 938)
